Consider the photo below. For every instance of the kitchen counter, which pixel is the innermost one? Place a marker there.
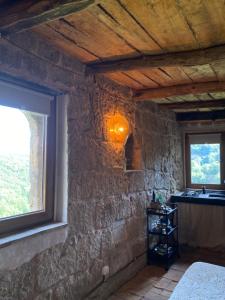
(210, 197)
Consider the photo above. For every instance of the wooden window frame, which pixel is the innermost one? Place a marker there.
(18, 223)
(220, 186)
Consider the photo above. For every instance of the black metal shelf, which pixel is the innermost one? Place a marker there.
(163, 234)
(166, 241)
(158, 213)
(165, 256)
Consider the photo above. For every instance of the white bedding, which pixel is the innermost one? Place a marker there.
(201, 281)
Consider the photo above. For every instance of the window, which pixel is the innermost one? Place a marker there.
(205, 160)
(27, 157)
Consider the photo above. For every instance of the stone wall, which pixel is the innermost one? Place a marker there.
(162, 148)
(106, 210)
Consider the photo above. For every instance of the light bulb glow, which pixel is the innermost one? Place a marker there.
(117, 128)
(121, 129)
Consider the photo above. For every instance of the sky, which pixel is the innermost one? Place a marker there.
(14, 132)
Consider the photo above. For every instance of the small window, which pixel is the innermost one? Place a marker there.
(205, 159)
(27, 158)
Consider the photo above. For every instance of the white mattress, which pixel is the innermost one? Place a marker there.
(201, 281)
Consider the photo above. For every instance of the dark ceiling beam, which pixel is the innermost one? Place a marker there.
(201, 116)
(186, 58)
(195, 104)
(20, 15)
(178, 90)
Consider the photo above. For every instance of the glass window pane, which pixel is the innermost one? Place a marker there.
(22, 162)
(205, 164)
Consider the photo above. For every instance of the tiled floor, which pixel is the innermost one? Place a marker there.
(154, 283)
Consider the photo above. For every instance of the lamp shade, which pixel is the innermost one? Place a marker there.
(117, 128)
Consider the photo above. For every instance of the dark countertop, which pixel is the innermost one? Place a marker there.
(202, 199)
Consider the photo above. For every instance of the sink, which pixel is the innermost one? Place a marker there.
(217, 195)
(191, 193)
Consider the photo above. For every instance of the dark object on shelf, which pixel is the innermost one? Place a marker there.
(162, 235)
(153, 196)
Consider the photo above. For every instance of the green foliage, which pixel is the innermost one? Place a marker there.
(14, 185)
(205, 164)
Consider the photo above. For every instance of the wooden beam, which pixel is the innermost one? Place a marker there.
(195, 104)
(199, 116)
(20, 15)
(178, 90)
(186, 58)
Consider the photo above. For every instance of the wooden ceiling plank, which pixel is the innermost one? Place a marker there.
(216, 11)
(206, 19)
(203, 96)
(200, 73)
(78, 38)
(17, 16)
(175, 99)
(199, 20)
(160, 77)
(113, 15)
(177, 74)
(196, 104)
(91, 33)
(189, 97)
(65, 44)
(125, 80)
(161, 19)
(145, 80)
(178, 90)
(219, 69)
(161, 100)
(194, 63)
(220, 95)
(196, 97)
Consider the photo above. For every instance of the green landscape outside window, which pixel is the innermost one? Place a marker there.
(205, 164)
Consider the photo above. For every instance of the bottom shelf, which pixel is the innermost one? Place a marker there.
(159, 255)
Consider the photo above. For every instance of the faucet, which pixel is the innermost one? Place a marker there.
(203, 190)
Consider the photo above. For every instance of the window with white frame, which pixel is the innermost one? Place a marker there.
(27, 158)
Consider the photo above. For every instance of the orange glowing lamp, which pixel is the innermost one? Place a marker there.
(118, 128)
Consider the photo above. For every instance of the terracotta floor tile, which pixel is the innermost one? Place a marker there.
(163, 283)
(153, 296)
(174, 275)
(180, 266)
(154, 283)
(141, 289)
(166, 293)
(155, 291)
(127, 296)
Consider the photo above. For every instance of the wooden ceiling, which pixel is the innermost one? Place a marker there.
(112, 31)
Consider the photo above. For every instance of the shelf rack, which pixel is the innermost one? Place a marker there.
(164, 247)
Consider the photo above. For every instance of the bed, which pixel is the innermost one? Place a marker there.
(201, 281)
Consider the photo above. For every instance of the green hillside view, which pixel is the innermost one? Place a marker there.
(205, 163)
(14, 185)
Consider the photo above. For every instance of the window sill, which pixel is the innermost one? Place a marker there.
(20, 248)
